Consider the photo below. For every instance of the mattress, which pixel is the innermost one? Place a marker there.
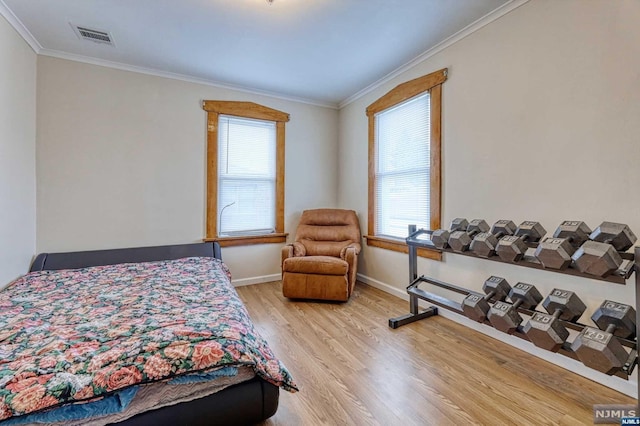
(80, 336)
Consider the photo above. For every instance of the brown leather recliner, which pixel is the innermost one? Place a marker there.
(323, 260)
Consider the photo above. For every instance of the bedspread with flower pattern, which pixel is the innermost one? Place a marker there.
(76, 335)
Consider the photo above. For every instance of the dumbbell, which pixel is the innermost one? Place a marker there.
(600, 256)
(504, 316)
(555, 252)
(619, 235)
(461, 240)
(484, 244)
(599, 348)
(546, 331)
(440, 237)
(476, 307)
(512, 248)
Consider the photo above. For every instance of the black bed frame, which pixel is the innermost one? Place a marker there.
(246, 403)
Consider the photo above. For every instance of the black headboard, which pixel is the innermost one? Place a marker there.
(81, 259)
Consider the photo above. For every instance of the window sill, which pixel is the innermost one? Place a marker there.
(249, 240)
(401, 246)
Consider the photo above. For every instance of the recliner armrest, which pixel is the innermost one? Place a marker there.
(355, 247)
(299, 249)
(295, 249)
(350, 255)
(287, 252)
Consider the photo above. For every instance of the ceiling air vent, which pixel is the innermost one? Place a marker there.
(92, 34)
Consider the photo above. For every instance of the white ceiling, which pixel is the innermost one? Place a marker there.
(319, 51)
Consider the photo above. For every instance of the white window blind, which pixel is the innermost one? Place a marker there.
(246, 176)
(402, 181)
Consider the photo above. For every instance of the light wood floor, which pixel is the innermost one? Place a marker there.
(353, 369)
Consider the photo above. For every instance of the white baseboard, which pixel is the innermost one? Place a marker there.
(256, 280)
(627, 387)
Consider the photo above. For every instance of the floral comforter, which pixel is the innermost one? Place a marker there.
(76, 335)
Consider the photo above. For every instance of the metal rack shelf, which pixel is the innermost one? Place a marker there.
(624, 272)
(416, 239)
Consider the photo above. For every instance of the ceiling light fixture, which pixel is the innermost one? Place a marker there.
(270, 2)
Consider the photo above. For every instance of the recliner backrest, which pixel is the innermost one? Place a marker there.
(325, 232)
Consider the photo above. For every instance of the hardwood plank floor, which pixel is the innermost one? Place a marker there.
(352, 369)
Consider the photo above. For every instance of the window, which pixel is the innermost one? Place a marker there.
(245, 173)
(404, 162)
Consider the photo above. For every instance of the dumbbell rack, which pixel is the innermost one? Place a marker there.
(420, 238)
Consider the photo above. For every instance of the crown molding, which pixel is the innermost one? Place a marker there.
(466, 31)
(19, 27)
(175, 76)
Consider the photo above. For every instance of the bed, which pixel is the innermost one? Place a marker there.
(122, 287)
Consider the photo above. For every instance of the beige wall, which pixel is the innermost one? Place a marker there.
(17, 154)
(121, 161)
(540, 122)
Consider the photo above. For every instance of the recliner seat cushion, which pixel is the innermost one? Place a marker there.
(325, 265)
